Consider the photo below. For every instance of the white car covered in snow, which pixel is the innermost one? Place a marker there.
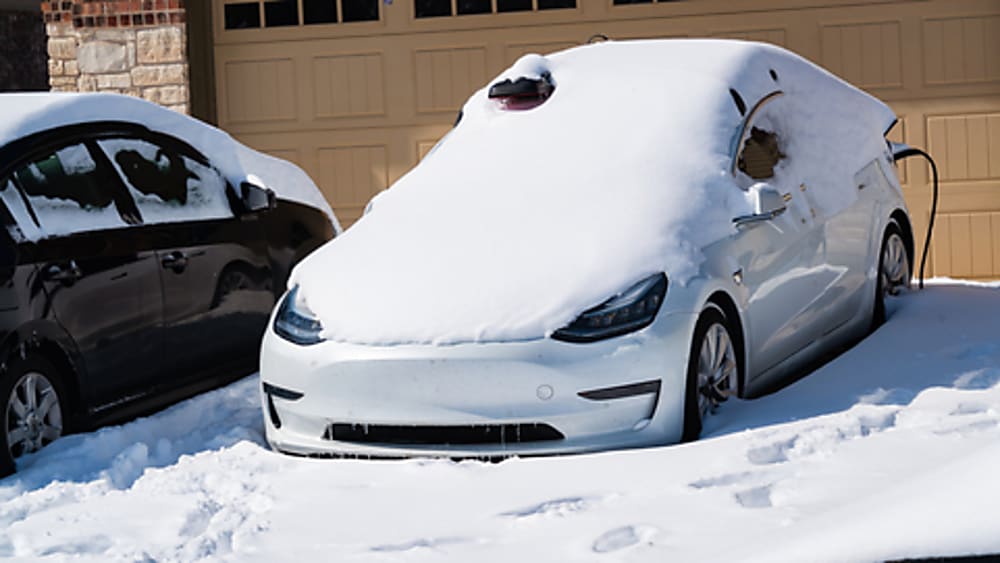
(611, 241)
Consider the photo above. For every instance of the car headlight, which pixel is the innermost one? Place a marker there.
(629, 311)
(295, 322)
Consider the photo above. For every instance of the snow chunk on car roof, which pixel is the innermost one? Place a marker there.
(25, 114)
(520, 220)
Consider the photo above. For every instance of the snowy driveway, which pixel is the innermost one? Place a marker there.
(891, 450)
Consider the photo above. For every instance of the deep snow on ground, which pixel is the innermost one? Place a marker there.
(890, 450)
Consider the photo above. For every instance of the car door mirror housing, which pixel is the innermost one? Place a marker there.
(768, 203)
(255, 198)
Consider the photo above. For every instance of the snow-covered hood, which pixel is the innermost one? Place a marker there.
(25, 114)
(520, 220)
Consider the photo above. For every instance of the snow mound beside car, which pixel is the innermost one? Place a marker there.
(25, 114)
(889, 451)
(520, 220)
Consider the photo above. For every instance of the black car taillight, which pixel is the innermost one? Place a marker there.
(523, 93)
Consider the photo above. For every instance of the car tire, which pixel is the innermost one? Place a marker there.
(32, 384)
(894, 270)
(713, 370)
(233, 278)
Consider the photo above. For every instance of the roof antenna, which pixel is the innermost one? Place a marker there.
(738, 100)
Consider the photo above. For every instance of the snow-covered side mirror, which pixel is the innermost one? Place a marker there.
(255, 198)
(768, 203)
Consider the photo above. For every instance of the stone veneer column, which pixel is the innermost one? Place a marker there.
(134, 47)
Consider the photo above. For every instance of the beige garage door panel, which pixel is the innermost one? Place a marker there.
(966, 245)
(868, 55)
(961, 49)
(353, 174)
(350, 85)
(259, 90)
(445, 77)
(968, 146)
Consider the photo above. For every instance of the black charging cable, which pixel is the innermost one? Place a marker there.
(905, 152)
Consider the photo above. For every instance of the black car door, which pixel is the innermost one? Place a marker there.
(101, 277)
(216, 277)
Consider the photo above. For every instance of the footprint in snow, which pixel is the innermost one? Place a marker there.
(969, 408)
(422, 543)
(626, 536)
(776, 452)
(978, 379)
(197, 521)
(555, 507)
(967, 429)
(757, 497)
(722, 480)
(817, 439)
(894, 396)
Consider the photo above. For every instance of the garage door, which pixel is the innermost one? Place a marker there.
(357, 91)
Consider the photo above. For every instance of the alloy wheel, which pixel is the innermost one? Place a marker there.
(895, 266)
(33, 416)
(717, 369)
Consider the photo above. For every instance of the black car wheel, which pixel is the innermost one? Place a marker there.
(233, 278)
(33, 408)
(893, 270)
(712, 372)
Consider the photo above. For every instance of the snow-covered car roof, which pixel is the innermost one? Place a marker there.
(23, 114)
(520, 220)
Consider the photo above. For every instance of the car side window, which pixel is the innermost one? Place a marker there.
(761, 152)
(68, 193)
(167, 185)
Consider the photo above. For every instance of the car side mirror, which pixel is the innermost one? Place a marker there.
(768, 204)
(255, 198)
(769, 201)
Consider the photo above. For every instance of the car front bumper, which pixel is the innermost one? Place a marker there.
(384, 401)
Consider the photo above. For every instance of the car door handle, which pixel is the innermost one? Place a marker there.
(757, 218)
(66, 272)
(175, 261)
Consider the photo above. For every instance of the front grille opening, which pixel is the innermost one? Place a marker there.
(474, 434)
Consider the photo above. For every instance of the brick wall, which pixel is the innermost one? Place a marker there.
(22, 52)
(134, 47)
